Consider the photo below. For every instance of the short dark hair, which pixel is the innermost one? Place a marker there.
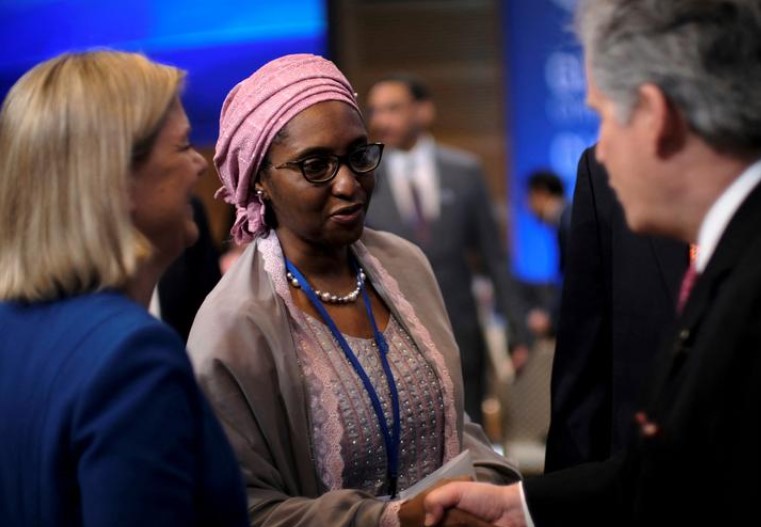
(547, 181)
(416, 85)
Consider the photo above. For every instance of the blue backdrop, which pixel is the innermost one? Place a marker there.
(548, 123)
(218, 42)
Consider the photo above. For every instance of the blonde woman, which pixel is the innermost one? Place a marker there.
(102, 423)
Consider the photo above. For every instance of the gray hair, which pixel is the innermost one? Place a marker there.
(704, 54)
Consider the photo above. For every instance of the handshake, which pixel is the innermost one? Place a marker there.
(460, 503)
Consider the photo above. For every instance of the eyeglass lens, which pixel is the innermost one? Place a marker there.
(361, 160)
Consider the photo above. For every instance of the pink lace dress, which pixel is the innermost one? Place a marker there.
(346, 440)
(346, 436)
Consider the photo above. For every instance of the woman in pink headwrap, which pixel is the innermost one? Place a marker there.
(326, 349)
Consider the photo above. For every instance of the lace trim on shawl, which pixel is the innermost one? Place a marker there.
(452, 445)
(323, 404)
(390, 516)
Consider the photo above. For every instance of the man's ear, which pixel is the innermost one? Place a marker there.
(662, 124)
(426, 114)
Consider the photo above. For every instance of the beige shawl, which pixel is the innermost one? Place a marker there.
(243, 352)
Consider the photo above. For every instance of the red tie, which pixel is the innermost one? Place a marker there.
(420, 222)
(688, 280)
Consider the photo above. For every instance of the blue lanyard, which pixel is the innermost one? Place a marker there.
(390, 437)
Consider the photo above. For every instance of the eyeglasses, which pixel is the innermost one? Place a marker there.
(323, 168)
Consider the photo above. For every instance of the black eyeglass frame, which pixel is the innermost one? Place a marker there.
(338, 160)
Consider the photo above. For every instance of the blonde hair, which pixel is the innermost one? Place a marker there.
(72, 130)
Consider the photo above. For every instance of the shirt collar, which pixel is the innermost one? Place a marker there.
(721, 212)
(423, 149)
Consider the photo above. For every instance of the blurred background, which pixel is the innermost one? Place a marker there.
(506, 75)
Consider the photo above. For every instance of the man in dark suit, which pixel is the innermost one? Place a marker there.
(436, 197)
(676, 86)
(619, 298)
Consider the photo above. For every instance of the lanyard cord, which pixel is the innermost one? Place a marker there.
(390, 437)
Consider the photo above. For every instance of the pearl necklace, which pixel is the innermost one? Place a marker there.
(330, 298)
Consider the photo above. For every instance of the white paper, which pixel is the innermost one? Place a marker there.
(460, 465)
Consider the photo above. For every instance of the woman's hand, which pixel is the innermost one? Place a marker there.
(500, 506)
(412, 512)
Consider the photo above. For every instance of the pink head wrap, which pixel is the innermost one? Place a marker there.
(253, 113)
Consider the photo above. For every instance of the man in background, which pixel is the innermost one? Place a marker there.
(435, 196)
(546, 201)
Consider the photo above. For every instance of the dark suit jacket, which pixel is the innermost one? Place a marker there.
(618, 303)
(465, 229)
(185, 284)
(701, 466)
(563, 235)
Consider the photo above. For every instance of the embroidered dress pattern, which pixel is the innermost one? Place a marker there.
(373, 267)
(410, 362)
(420, 401)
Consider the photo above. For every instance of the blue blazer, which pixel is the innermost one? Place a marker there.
(103, 424)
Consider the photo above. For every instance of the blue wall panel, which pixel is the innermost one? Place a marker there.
(218, 42)
(548, 123)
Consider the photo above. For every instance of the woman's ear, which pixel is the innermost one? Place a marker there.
(133, 184)
(261, 187)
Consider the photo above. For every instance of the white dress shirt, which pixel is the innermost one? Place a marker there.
(416, 167)
(721, 212)
(154, 308)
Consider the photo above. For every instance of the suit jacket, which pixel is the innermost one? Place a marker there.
(698, 461)
(618, 303)
(464, 229)
(191, 277)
